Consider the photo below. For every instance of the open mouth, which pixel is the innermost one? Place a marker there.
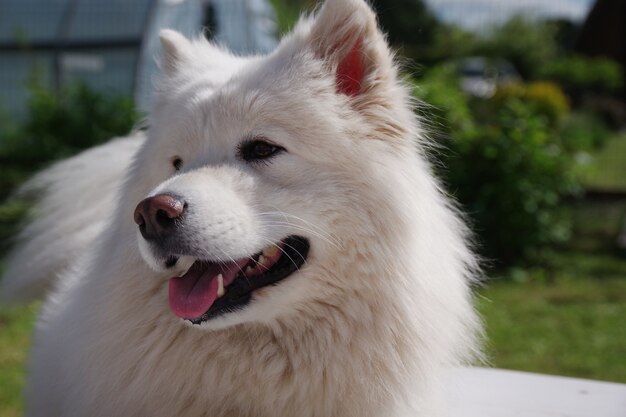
(209, 289)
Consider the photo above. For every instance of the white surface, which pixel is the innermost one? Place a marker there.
(480, 392)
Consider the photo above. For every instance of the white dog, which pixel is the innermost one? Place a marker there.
(278, 245)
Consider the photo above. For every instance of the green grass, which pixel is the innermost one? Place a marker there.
(15, 331)
(607, 169)
(567, 316)
(567, 327)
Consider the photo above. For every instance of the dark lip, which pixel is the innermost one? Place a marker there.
(239, 293)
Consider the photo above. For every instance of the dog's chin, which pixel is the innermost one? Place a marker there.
(156, 262)
(216, 294)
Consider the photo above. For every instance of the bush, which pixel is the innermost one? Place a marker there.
(579, 73)
(450, 42)
(546, 98)
(57, 126)
(11, 215)
(511, 176)
(527, 44)
(583, 131)
(446, 109)
(409, 24)
(505, 162)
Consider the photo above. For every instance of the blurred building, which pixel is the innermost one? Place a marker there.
(112, 45)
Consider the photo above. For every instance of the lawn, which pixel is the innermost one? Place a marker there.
(15, 331)
(607, 168)
(569, 326)
(566, 317)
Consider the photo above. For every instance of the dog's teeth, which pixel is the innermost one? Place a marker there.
(270, 251)
(262, 260)
(220, 285)
(248, 269)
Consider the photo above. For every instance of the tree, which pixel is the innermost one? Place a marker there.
(528, 44)
(408, 23)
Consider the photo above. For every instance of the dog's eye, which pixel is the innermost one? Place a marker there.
(258, 149)
(177, 163)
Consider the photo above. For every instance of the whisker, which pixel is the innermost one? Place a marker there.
(301, 228)
(285, 253)
(286, 215)
(243, 274)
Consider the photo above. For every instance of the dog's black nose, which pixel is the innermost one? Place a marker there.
(156, 216)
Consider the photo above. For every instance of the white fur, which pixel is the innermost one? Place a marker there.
(368, 324)
(76, 199)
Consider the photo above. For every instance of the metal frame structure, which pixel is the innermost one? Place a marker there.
(53, 33)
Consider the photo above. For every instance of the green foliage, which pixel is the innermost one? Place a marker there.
(527, 44)
(583, 131)
(287, 12)
(577, 73)
(450, 43)
(547, 98)
(605, 170)
(505, 162)
(11, 214)
(446, 109)
(408, 23)
(57, 126)
(511, 176)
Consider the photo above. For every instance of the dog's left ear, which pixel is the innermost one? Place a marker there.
(176, 50)
(345, 35)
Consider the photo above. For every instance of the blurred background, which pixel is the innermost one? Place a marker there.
(526, 98)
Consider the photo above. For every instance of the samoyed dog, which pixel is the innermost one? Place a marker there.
(275, 244)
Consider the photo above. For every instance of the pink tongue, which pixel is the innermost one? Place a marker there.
(194, 293)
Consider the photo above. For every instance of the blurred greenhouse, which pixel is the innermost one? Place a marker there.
(111, 45)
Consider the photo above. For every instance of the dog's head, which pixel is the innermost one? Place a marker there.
(261, 171)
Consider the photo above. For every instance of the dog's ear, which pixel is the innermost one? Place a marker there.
(176, 49)
(345, 35)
